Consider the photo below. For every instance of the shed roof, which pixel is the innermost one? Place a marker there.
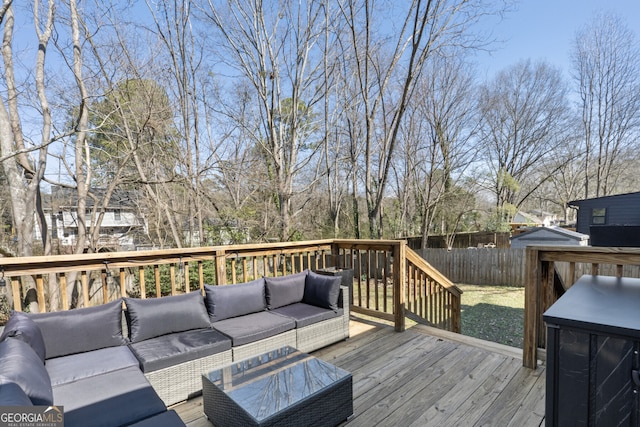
(554, 230)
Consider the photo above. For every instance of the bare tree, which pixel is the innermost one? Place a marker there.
(23, 175)
(274, 45)
(606, 66)
(447, 106)
(386, 76)
(524, 112)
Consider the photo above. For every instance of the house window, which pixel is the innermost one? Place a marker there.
(599, 216)
(116, 215)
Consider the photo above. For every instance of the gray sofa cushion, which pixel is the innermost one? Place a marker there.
(322, 291)
(166, 419)
(254, 327)
(150, 318)
(75, 367)
(22, 327)
(21, 365)
(116, 398)
(81, 329)
(168, 350)
(12, 395)
(285, 290)
(306, 314)
(226, 301)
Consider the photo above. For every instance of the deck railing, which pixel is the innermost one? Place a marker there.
(386, 275)
(552, 270)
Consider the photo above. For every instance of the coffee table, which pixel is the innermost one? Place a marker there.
(284, 387)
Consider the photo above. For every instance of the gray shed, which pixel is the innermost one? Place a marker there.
(549, 236)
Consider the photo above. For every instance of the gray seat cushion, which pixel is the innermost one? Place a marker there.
(116, 398)
(81, 329)
(254, 327)
(22, 327)
(82, 365)
(285, 290)
(168, 350)
(227, 301)
(21, 365)
(150, 318)
(305, 314)
(166, 419)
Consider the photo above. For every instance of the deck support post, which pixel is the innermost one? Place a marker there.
(399, 267)
(531, 309)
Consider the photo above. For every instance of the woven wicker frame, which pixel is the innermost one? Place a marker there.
(180, 382)
(321, 334)
(326, 408)
(262, 346)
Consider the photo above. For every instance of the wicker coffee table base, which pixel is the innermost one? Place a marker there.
(328, 406)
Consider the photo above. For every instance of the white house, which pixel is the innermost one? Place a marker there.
(122, 228)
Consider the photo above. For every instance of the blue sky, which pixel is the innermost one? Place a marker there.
(545, 29)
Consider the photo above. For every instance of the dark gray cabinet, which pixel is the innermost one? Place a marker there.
(593, 340)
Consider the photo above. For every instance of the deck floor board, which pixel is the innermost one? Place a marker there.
(423, 377)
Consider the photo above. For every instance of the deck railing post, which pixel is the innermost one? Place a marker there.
(399, 267)
(531, 309)
(221, 267)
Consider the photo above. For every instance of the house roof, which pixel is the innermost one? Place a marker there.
(603, 198)
(68, 197)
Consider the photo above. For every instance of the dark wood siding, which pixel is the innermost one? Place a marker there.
(622, 209)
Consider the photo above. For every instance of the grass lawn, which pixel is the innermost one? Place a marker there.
(493, 313)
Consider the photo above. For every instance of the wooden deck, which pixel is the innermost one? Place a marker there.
(427, 377)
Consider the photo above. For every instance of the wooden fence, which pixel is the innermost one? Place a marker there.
(479, 266)
(504, 266)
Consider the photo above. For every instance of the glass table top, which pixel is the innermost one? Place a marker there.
(266, 384)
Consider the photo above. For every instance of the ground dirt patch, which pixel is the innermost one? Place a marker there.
(493, 313)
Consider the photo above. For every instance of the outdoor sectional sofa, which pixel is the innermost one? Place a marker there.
(82, 360)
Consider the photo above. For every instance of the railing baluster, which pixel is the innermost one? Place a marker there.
(63, 291)
(40, 292)
(172, 278)
(143, 290)
(123, 283)
(201, 275)
(156, 273)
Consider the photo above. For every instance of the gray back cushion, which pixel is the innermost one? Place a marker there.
(322, 291)
(22, 327)
(81, 329)
(227, 301)
(12, 395)
(21, 365)
(285, 290)
(150, 318)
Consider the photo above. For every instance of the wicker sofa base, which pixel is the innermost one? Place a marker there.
(262, 346)
(180, 382)
(322, 334)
